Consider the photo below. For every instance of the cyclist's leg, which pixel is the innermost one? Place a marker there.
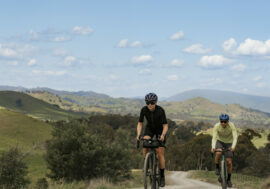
(145, 150)
(161, 158)
(229, 156)
(219, 146)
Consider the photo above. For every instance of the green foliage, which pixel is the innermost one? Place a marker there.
(42, 183)
(13, 170)
(76, 153)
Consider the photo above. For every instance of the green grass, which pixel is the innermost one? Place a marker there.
(239, 181)
(27, 104)
(24, 132)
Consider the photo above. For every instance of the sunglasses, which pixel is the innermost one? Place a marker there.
(150, 102)
(223, 121)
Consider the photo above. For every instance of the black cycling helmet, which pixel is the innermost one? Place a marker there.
(224, 117)
(151, 97)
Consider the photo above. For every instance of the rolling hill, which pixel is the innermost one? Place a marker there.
(225, 97)
(24, 132)
(34, 107)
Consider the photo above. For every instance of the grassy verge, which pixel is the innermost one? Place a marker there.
(239, 181)
(135, 181)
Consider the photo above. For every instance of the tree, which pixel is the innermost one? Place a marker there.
(13, 170)
(76, 153)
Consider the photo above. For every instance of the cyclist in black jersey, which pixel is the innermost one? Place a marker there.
(156, 125)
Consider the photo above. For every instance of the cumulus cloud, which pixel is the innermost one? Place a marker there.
(69, 60)
(177, 35)
(254, 47)
(16, 51)
(142, 59)
(213, 61)
(257, 78)
(173, 77)
(60, 52)
(82, 30)
(239, 67)
(49, 72)
(32, 62)
(8, 52)
(123, 43)
(211, 81)
(34, 35)
(61, 39)
(196, 49)
(177, 63)
(229, 44)
(136, 44)
(145, 72)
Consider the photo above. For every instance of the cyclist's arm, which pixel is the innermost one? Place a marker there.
(165, 129)
(234, 133)
(214, 138)
(139, 128)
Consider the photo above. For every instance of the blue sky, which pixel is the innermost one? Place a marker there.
(128, 48)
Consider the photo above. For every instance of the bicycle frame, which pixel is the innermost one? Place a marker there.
(223, 168)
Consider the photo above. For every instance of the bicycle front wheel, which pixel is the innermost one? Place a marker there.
(147, 170)
(224, 174)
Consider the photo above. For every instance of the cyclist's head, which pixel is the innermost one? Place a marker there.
(151, 98)
(224, 118)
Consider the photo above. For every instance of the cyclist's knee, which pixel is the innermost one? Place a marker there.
(229, 161)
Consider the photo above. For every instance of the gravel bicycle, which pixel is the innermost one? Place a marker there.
(223, 168)
(151, 171)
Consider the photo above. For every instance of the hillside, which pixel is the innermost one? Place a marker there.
(26, 104)
(203, 109)
(225, 97)
(22, 131)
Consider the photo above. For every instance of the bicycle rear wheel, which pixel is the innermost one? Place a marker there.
(224, 174)
(147, 170)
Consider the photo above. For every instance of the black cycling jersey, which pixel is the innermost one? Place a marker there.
(155, 119)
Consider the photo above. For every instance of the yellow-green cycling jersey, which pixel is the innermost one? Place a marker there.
(226, 135)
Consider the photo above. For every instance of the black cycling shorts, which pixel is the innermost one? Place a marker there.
(221, 145)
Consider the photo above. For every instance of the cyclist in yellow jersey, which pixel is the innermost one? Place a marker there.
(224, 136)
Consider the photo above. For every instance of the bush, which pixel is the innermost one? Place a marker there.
(13, 170)
(42, 183)
(75, 153)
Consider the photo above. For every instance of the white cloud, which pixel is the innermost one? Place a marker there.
(34, 35)
(177, 35)
(12, 63)
(257, 78)
(254, 47)
(142, 59)
(49, 72)
(239, 67)
(213, 61)
(69, 60)
(173, 77)
(123, 43)
(196, 49)
(177, 63)
(61, 39)
(7, 52)
(229, 44)
(60, 52)
(136, 44)
(82, 30)
(145, 72)
(261, 85)
(32, 62)
(113, 77)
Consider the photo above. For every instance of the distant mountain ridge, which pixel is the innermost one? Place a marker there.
(225, 97)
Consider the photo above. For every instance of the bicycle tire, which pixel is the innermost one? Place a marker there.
(154, 173)
(147, 165)
(223, 174)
